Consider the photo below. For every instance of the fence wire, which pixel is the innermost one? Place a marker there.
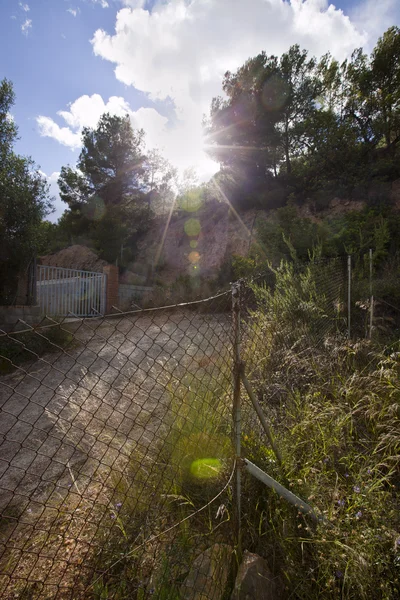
(292, 317)
(116, 455)
(117, 447)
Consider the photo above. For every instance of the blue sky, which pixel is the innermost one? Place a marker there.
(160, 62)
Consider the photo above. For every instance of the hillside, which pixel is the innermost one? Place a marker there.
(201, 242)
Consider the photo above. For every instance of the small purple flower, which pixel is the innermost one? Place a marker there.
(112, 516)
(346, 474)
(118, 505)
(339, 574)
(326, 459)
(356, 488)
(341, 502)
(369, 471)
(359, 514)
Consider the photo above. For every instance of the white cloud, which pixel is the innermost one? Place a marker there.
(134, 3)
(73, 11)
(103, 3)
(86, 112)
(182, 49)
(64, 135)
(179, 146)
(374, 18)
(24, 7)
(26, 26)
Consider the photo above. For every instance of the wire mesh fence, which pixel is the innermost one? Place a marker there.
(292, 317)
(114, 431)
(122, 437)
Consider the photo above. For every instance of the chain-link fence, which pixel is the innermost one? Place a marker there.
(115, 453)
(121, 436)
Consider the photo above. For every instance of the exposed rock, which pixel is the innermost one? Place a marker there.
(215, 234)
(339, 206)
(255, 581)
(208, 576)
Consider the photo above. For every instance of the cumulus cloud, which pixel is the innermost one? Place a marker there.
(64, 135)
(181, 50)
(26, 26)
(181, 147)
(73, 11)
(24, 7)
(373, 18)
(86, 112)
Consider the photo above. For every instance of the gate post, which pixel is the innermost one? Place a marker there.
(112, 284)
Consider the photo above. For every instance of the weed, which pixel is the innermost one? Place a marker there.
(335, 408)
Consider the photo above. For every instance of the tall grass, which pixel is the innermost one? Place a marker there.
(335, 406)
(161, 488)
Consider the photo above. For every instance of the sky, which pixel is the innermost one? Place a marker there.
(160, 61)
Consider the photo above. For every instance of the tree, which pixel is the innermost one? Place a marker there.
(160, 181)
(110, 165)
(106, 192)
(24, 201)
(385, 74)
(262, 125)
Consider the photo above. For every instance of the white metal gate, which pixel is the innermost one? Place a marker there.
(70, 292)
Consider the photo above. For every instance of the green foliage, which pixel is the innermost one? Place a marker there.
(154, 495)
(110, 192)
(335, 409)
(285, 226)
(24, 202)
(311, 126)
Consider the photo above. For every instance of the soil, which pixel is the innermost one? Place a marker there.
(75, 257)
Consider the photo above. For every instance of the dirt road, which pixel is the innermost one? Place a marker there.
(71, 420)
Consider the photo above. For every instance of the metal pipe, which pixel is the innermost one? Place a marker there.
(349, 296)
(281, 490)
(371, 308)
(260, 415)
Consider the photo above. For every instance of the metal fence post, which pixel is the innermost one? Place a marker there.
(371, 308)
(349, 295)
(236, 296)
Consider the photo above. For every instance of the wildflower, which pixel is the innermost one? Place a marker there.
(369, 471)
(346, 475)
(112, 516)
(326, 459)
(341, 502)
(356, 489)
(359, 514)
(339, 574)
(118, 505)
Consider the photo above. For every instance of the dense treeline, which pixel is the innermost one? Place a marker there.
(24, 202)
(295, 126)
